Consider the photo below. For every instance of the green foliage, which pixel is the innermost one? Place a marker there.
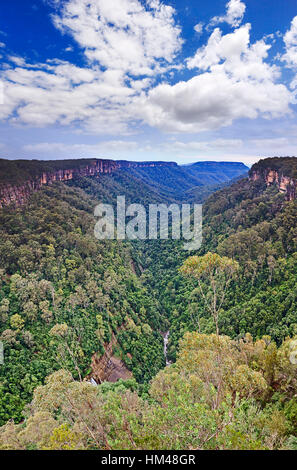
(56, 282)
(216, 396)
(217, 271)
(65, 296)
(257, 228)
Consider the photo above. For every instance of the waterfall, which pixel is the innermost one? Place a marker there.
(166, 339)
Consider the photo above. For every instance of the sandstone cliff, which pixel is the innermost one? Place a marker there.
(19, 192)
(286, 183)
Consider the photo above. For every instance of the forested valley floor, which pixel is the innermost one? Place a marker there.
(66, 298)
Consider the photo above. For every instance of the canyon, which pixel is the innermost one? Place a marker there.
(17, 190)
(19, 193)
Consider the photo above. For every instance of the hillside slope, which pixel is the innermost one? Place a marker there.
(64, 296)
(253, 222)
(67, 299)
(20, 178)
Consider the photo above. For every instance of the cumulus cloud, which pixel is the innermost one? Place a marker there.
(290, 56)
(199, 28)
(128, 45)
(119, 38)
(233, 81)
(122, 34)
(290, 40)
(235, 10)
(60, 92)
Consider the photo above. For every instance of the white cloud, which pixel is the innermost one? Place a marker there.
(127, 43)
(290, 57)
(199, 27)
(228, 47)
(119, 38)
(65, 94)
(123, 34)
(235, 10)
(290, 40)
(234, 82)
(20, 61)
(55, 149)
(194, 146)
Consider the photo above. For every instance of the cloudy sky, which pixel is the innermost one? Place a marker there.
(177, 80)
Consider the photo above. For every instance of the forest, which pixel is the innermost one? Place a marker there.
(230, 310)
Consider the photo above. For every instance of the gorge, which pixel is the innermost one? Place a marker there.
(74, 309)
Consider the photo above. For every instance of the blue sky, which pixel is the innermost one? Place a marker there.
(148, 80)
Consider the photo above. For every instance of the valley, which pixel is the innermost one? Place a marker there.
(74, 309)
(148, 232)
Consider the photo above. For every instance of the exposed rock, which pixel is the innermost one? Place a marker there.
(108, 368)
(286, 184)
(19, 193)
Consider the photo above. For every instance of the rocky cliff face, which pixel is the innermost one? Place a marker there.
(19, 193)
(108, 368)
(286, 184)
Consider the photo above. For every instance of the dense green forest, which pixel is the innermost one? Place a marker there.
(220, 394)
(187, 183)
(65, 296)
(254, 225)
(55, 272)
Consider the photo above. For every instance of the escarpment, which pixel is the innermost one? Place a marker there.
(19, 179)
(279, 171)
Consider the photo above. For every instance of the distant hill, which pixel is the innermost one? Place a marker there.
(216, 172)
(182, 181)
(172, 182)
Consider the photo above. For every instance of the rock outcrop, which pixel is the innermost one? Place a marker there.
(286, 184)
(108, 368)
(20, 192)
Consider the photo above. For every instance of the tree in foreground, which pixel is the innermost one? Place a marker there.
(246, 400)
(214, 275)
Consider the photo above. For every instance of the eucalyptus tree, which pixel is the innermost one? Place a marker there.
(213, 274)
